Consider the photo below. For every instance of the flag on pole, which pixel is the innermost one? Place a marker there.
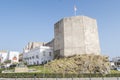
(75, 8)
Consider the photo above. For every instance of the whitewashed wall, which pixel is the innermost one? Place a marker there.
(38, 55)
(13, 54)
(3, 56)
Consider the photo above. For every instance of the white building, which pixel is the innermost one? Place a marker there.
(13, 56)
(32, 45)
(38, 55)
(116, 61)
(3, 56)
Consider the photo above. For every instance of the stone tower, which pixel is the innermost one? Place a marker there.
(76, 35)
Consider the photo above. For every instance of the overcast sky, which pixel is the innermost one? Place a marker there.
(23, 21)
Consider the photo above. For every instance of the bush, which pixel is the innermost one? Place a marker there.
(53, 75)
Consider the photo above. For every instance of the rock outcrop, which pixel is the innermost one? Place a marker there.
(86, 63)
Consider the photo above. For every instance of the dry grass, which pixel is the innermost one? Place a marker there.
(80, 64)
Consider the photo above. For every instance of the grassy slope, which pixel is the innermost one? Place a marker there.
(39, 69)
(114, 71)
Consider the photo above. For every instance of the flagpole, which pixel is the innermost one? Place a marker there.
(75, 13)
(75, 10)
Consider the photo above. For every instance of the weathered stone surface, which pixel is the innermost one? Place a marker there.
(76, 35)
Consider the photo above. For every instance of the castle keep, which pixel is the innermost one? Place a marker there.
(76, 35)
(73, 36)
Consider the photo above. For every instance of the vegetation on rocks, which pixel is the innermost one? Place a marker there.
(86, 63)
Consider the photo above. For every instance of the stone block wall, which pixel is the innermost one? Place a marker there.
(76, 35)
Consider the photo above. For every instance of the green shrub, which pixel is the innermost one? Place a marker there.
(53, 75)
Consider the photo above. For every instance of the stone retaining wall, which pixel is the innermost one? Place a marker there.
(113, 78)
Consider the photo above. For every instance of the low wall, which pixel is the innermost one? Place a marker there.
(113, 78)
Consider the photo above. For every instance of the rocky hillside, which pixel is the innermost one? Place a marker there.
(80, 64)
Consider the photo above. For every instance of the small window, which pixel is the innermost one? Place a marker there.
(37, 56)
(34, 63)
(33, 57)
(44, 53)
(37, 62)
(50, 54)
